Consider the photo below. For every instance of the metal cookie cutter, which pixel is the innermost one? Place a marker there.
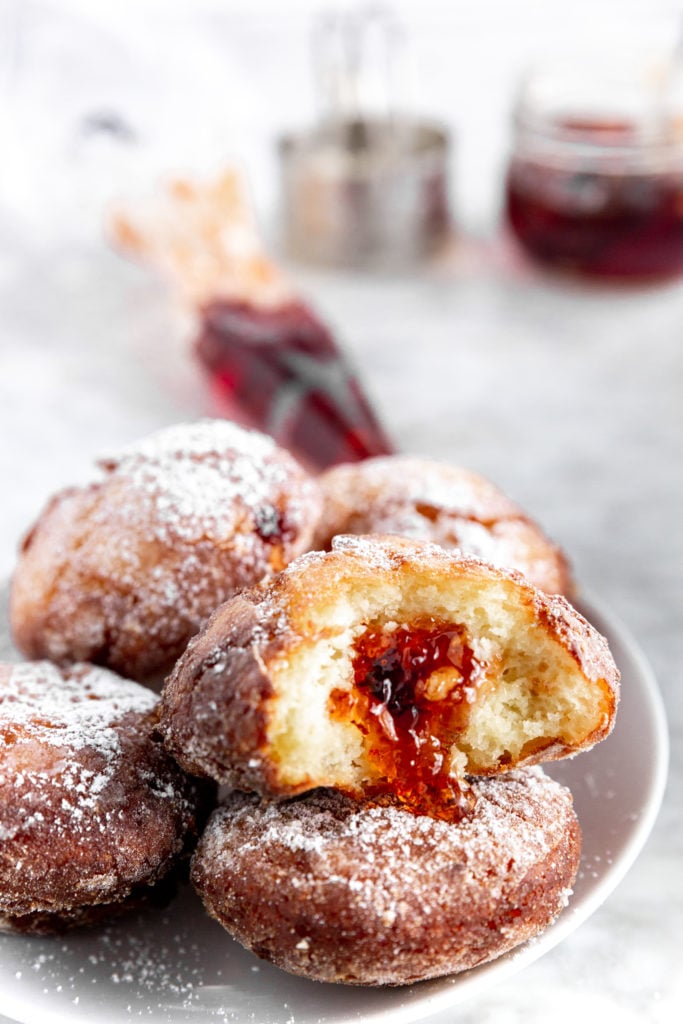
(367, 186)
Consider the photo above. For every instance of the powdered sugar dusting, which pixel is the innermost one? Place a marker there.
(403, 480)
(382, 553)
(203, 437)
(125, 571)
(386, 553)
(342, 891)
(432, 501)
(71, 709)
(193, 475)
(59, 748)
(387, 850)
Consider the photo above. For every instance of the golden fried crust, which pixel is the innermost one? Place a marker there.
(93, 810)
(123, 572)
(433, 501)
(142, 898)
(249, 702)
(344, 892)
(214, 701)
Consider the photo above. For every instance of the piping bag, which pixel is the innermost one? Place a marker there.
(271, 361)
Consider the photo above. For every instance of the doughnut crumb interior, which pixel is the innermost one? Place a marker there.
(387, 663)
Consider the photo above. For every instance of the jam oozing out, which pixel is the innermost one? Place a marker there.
(412, 690)
(598, 219)
(280, 370)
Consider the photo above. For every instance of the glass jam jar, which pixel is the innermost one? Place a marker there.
(595, 180)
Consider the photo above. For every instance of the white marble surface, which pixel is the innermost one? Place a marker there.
(570, 398)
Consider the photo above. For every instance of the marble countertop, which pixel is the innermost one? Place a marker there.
(569, 397)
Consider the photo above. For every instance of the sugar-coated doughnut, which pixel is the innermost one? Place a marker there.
(95, 816)
(387, 663)
(339, 891)
(433, 501)
(123, 572)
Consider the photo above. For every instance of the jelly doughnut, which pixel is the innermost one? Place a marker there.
(339, 891)
(95, 815)
(429, 500)
(387, 664)
(123, 572)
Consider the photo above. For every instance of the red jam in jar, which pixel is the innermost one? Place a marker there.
(598, 191)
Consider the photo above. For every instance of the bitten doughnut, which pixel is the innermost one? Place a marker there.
(94, 814)
(387, 663)
(429, 500)
(123, 572)
(374, 895)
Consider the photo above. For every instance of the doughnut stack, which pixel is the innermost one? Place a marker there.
(370, 667)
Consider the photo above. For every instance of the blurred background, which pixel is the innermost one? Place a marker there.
(475, 362)
(191, 85)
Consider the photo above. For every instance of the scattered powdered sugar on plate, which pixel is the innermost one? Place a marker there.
(166, 965)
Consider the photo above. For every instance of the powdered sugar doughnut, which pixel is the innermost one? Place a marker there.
(373, 895)
(94, 814)
(433, 501)
(123, 572)
(387, 663)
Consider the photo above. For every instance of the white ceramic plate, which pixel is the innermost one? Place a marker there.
(177, 965)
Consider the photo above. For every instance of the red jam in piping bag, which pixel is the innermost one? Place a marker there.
(282, 368)
(272, 363)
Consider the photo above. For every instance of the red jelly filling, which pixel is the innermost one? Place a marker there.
(282, 372)
(409, 711)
